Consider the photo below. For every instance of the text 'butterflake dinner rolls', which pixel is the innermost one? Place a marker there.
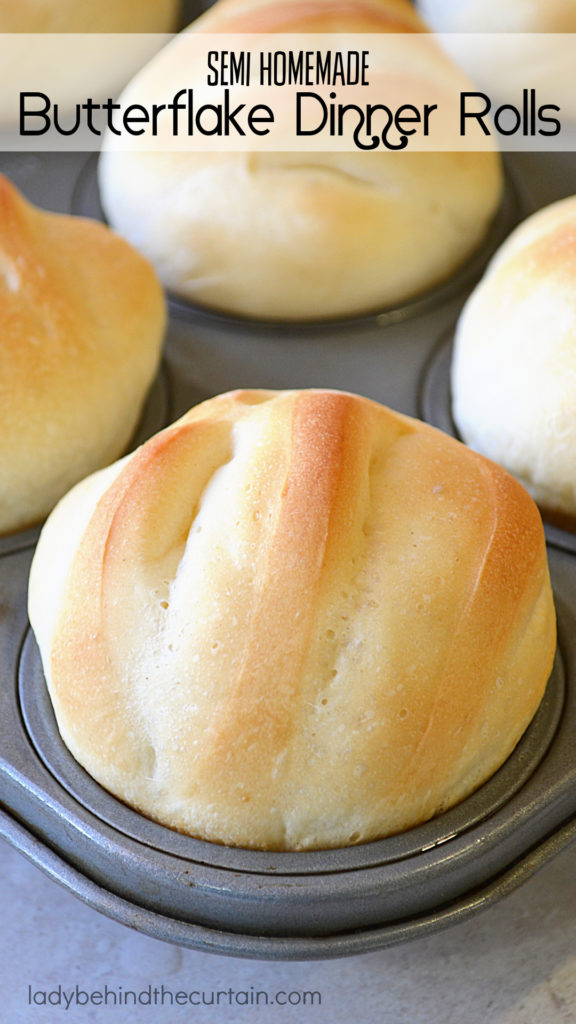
(82, 318)
(88, 16)
(514, 369)
(300, 236)
(294, 620)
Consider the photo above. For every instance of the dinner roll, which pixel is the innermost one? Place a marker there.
(514, 371)
(294, 620)
(511, 16)
(299, 236)
(81, 324)
(88, 15)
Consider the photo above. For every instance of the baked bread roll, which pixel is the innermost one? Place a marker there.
(88, 15)
(286, 236)
(294, 620)
(81, 322)
(512, 16)
(514, 370)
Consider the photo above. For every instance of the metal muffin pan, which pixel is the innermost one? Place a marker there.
(288, 905)
(269, 905)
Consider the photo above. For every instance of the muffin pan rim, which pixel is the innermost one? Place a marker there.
(279, 948)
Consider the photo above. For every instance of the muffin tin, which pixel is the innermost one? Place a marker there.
(290, 905)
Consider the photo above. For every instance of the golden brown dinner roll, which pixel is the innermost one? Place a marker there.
(294, 620)
(511, 16)
(88, 15)
(282, 235)
(81, 324)
(514, 372)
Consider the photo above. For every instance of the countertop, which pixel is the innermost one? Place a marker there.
(512, 964)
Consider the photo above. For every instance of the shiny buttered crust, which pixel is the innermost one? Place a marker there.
(301, 236)
(510, 16)
(88, 15)
(514, 370)
(81, 323)
(294, 620)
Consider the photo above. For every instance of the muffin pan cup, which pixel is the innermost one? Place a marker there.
(249, 903)
(325, 903)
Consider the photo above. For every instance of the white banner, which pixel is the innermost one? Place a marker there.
(272, 93)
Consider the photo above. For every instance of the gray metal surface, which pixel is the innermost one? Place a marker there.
(288, 906)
